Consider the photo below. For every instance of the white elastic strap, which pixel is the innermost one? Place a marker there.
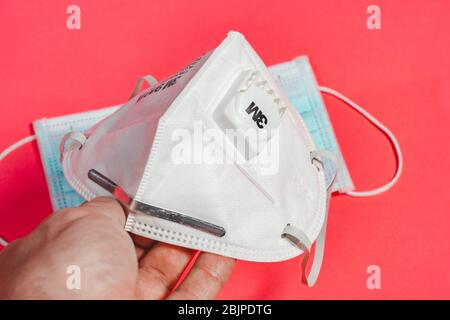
(5, 153)
(299, 238)
(3, 242)
(16, 145)
(76, 137)
(151, 81)
(318, 155)
(384, 129)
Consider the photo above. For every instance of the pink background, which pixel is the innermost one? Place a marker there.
(399, 73)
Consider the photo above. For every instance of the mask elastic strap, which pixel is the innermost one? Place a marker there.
(381, 127)
(151, 81)
(76, 139)
(3, 242)
(300, 239)
(79, 138)
(4, 154)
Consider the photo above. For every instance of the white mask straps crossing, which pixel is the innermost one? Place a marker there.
(381, 127)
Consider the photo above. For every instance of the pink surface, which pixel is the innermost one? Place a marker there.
(400, 74)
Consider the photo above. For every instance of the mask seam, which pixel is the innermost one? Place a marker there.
(151, 158)
(163, 122)
(319, 215)
(160, 130)
(140, 227)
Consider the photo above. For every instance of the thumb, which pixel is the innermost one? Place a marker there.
(108, 207)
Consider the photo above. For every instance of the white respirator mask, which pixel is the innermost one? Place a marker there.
(214, 158)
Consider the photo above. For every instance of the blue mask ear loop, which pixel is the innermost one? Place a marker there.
(381, 127)
(4, 154)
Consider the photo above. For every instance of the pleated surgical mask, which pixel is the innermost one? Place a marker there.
(259, 189)
(298, 82)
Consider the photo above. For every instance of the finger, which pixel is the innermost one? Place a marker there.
(108, 207)
(139, 252)
(206, 278)
(141, 244)
(159, 270)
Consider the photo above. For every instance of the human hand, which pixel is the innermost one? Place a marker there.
(111, 265)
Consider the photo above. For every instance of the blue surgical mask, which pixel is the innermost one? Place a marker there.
(298, 82)
(49, 133)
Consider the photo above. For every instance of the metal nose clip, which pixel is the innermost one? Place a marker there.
(158, 212)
